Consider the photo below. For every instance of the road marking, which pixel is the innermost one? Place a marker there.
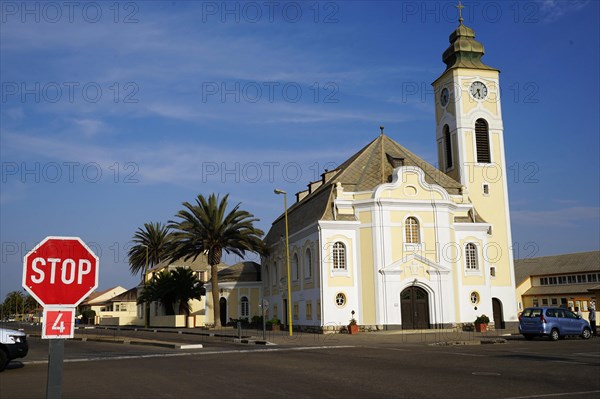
(485, 373)
(216, 352)
(463, 354)
(553, 395)
(387, 349)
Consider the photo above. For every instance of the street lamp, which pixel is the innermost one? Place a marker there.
(146, 305)
(287, 255)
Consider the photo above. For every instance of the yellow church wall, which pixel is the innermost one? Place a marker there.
(411, 188)
(365, 217)
(367, 277)
(362, 196)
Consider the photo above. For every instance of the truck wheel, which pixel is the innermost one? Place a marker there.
(554, 335)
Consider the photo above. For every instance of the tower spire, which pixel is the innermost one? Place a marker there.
(459, 7)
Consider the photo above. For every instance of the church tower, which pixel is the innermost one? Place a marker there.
(470, 143)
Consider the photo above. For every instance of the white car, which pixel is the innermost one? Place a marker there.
(13, 345)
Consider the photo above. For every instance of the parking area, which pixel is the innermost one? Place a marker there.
(307, 365)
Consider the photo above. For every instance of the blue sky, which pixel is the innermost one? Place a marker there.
(112, 116)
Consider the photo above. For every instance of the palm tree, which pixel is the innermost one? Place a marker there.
(207, 228)
(171, 287)
(151, 247)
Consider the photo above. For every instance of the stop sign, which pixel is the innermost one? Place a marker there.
(60, 271)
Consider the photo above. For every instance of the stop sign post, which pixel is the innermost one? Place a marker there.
(59, 273)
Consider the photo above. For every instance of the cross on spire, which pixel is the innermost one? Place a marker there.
(459, 7)
(381, 128)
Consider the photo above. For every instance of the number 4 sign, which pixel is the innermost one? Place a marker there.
(58, 323)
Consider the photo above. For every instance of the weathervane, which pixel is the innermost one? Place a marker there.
(459, 7)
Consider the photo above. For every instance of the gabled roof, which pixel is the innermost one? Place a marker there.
(99, 297)
(557, 264)
(371, 166)
(198, 264)
(128, 296)
(241, 272)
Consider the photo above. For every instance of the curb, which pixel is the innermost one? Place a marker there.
(485, 341)
(125, 341)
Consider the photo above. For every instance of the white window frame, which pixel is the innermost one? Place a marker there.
(335, 257)
(471, 258)
(244, 307)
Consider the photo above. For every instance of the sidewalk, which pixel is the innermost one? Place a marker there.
(183, 337)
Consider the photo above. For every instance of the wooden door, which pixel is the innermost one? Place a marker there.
(414, 305)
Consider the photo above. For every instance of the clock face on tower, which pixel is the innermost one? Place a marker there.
(479, 91)
(444, 96)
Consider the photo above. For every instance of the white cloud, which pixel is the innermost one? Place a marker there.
(90, 127)
(553, 10)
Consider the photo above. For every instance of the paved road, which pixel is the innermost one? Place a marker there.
(369, 366)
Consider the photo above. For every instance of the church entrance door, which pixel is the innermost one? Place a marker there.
(414, 303)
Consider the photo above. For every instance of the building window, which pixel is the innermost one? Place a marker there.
(308, 263)
(411, 229)
(448, 147)
(482, 141)
(474, 298)
(274, 275)
(486, 189)
(308, 310)
(319, 310)
(340, 299)
(339, 256)
(296, 267)
(471, 257)
(244, 307)
(493, 271)
(296, 311)
(554, 301)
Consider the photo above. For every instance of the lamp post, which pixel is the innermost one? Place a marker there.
(287, 255)
(146, 307)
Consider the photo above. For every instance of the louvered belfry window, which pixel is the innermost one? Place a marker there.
(447, 147)
(482, 141)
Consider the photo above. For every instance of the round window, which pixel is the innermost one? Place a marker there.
(474, 298)
(340, 299)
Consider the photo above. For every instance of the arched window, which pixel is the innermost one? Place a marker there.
(482, 141)
(411, 229)
(471, 257)
(448, 146)
(244, 307)
(339, 256)
(296, 267)
(308, 263)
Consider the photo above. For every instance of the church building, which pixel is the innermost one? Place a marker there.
(394, 242)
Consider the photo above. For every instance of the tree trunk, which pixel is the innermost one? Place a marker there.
(214, 282)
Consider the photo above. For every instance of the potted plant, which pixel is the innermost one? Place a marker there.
(353, 326)
(274, 324)
(481, 323)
